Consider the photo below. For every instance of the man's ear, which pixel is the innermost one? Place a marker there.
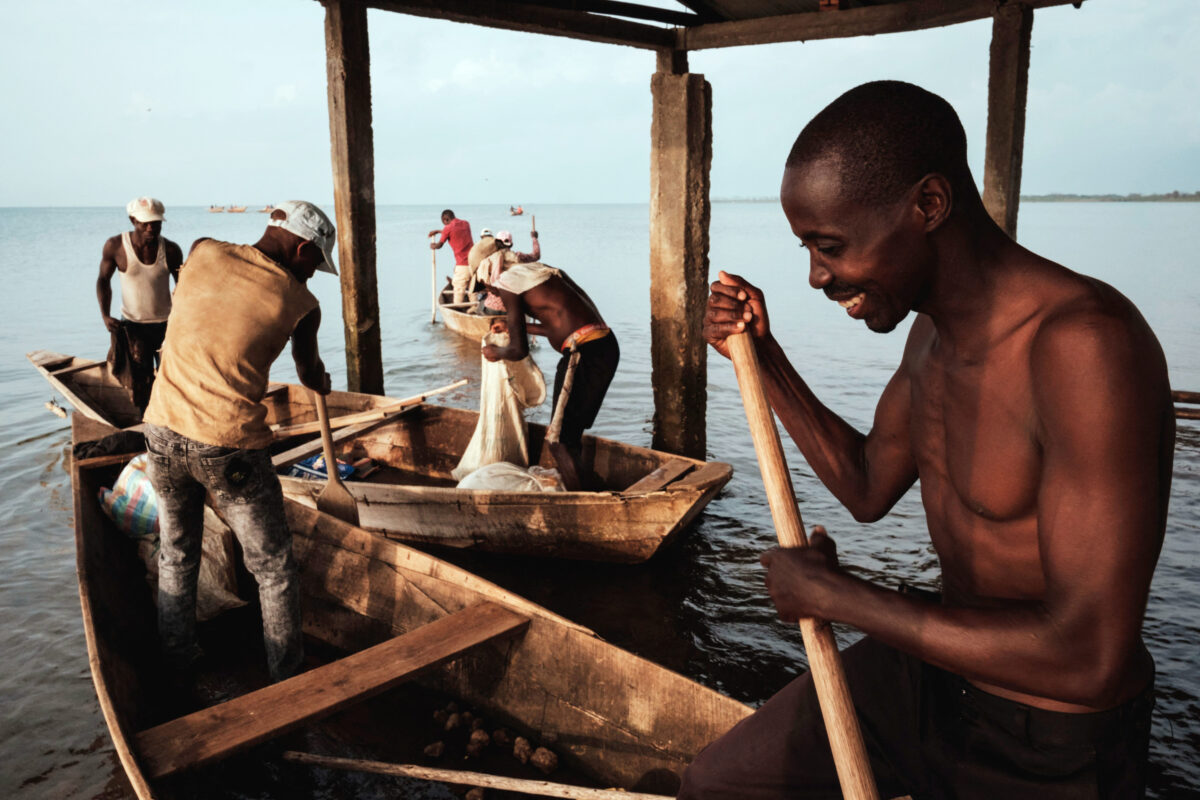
(935, 199)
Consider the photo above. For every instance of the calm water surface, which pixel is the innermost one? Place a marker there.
(699, 608)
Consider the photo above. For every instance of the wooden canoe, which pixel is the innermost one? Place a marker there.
(650, 496)
(472, 326)
(611, 715)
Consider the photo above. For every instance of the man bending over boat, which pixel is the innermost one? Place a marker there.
(147, 262)
(569, 319)
(1033, 405)
(236, 306)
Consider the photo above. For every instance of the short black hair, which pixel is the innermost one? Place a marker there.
(448, 213)
(885, 136)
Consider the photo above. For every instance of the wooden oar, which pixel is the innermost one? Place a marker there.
(433, 283)
(825, 663)
(284, 431)
(462, 778)
(562, 456)
(335, 499)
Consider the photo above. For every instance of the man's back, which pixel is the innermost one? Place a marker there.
(235, 309)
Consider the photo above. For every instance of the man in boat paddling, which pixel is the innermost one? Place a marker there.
(458, 233)
(236, 307)
(569, 319)
(1033, 405)
(147, 262)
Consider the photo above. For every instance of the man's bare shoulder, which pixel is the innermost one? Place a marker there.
(112, 245)
(1091, 338)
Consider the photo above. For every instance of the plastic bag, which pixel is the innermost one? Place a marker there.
(505, 477)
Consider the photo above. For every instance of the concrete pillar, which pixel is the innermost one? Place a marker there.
(1008, 86)
(680, 157)
(352, 145)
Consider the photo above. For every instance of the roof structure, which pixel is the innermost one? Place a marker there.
(709, 23)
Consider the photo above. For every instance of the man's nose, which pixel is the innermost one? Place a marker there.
(818, 276)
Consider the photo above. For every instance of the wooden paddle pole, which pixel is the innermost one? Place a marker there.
(824, 661)
(433, 284)
(335, 499)
(562, 456)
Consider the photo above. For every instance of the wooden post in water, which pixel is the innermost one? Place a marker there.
(1008, 85)
(824, 660)
(348, 68)
(680, 157)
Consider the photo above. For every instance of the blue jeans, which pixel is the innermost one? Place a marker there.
(246, 492)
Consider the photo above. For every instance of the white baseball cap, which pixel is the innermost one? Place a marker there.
(309, 223)
(505, 237)
(485, 232)
(145, 209)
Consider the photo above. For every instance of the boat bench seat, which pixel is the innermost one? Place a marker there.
(218, 732)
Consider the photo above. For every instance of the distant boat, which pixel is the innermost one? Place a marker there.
(216, 209)
(236, 209)
(267, 209)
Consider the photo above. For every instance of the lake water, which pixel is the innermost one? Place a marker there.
(699, 608)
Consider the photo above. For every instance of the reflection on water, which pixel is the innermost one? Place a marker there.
(700, 607)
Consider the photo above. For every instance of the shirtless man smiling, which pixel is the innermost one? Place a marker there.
(1033, 405)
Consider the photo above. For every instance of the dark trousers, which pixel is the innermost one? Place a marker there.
(930, 734)
(134, 355)
(598, 361)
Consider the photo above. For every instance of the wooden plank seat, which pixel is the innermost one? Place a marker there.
(222, 730)
(660, 477)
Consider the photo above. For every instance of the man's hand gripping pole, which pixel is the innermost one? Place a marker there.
(825, 663)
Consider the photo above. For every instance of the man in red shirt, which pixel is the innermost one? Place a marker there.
(458, 233)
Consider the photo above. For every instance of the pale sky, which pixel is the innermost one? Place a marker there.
(224, 101)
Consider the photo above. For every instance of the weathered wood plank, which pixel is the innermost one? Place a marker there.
(348, 68)
(535, 19)
(680, 158)
(660, 477)
(1008, 86)
(230, 727)
(913, 15)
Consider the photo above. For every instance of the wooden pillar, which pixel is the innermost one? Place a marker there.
(348, 66)
(1008, 85)
(680, 157)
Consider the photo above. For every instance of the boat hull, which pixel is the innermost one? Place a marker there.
(613, 715)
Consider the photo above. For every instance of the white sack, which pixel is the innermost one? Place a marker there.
(506, 389)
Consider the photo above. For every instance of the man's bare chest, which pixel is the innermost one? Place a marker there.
(974, 436)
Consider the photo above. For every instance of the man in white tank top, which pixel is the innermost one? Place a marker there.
(147, 261)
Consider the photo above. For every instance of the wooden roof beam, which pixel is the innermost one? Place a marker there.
(623, 9)
(867, 21)
(536, 19)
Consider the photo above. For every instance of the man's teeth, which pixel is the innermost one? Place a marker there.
(852, 302)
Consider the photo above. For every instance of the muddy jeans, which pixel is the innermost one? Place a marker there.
(246, 492)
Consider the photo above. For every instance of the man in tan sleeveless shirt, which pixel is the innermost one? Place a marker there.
(235, 308)
(147, 261)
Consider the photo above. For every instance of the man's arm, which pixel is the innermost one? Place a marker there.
(174, 259)
(533, 255)
(1103, 413)
(518, 341)
(108, 267)
(445, 235)
(309, 367)
(866, 473)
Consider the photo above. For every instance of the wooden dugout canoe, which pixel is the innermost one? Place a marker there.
(472, 326)
(612, 715)
(650, 496)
